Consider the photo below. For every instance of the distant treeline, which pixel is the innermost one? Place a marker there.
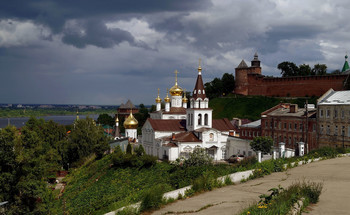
(17, 112)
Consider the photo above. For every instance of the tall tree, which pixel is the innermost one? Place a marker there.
(105, 119)
(320, 69)
(304, 70)
(262, 144)
(288, 69)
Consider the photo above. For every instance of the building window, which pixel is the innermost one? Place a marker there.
(271, 124)
(295, 126)
(223, 151)
(192, 119)
(290, 126)
(280, 125)
(199, 91)
(321, 129)
(189, 119)
(342, 114)
(290, 141)
(206, 119)
(285, 125)
(328, 113)
(314, 127)
(336, 131)
(266, 124)
(275, 125)
(349, 131)
(321, 113)
(328, 130)
(343, 131)
(199, 119)
(301, 127)
(335, 113)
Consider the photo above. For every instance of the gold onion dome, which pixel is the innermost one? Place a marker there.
(176, 90)
(131, 122)
(167, 99)
(184, 99)
(158, 99)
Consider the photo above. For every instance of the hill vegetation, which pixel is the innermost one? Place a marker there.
(249, 107)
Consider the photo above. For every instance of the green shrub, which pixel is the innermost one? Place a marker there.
(205, 182)
(341, 150)
(128, 211)
(153, 198)
(326, 151)
(227, 180)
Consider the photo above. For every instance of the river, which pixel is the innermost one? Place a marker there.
(63, 120)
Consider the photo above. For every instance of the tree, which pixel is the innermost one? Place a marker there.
(228, 83)
(86, 138)
(220, 87)
(198, 157)
(262, 144)
(319, 69)
(105, 119)
(304, 70)
(129, 149)
(288, 69)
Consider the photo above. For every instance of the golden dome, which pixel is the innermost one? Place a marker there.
(167, 99)
(176, 90)
(131, 122)
(158, 99)
(184, 99)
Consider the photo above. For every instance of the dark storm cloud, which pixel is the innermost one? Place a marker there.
(96, 33)
(55, 14)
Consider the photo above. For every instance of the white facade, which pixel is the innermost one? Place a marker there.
(198, 118)
(237, 146)
(132, 133)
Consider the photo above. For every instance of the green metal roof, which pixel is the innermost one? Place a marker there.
(346, 64)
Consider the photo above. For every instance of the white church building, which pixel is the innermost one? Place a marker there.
(176, 130)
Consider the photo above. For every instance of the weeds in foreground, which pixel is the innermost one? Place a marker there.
(281, 201)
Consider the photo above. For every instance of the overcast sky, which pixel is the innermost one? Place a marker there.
(105, 52)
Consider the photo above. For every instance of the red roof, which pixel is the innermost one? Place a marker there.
(183, 137)
(223, 124)
(168, 124)
(199, 87)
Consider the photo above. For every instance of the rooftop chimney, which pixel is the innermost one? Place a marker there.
(293, 108)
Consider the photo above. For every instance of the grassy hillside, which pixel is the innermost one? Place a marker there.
(248, 107)
(97, 187)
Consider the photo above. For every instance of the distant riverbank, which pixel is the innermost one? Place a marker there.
(10, 112)
(63, 120)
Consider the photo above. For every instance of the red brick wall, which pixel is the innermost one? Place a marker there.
(279, 133)
(293, 86)
(249, 133)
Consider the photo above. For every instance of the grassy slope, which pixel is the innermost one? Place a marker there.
(96, 188)
(247, 107)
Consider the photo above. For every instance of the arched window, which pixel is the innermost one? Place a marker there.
(188, 119)
(206, 119)
(199, 119)
(191, 119)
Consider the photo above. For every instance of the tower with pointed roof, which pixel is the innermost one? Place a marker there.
(167, 101)
(242, 72)
(346, 65)
(199, 114)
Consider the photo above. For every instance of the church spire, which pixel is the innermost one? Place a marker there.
(198, 91)
(346, 64)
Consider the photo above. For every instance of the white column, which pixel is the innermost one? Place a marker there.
(158, 106)
(301, 148)
(282, 149)
(167, 107)
(259, 156)
(274, 154)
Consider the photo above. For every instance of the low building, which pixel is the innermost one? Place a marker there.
(250, 130)
(333, 111)
(238, 146)
(289, 124)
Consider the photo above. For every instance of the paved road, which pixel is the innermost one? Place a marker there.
(335, 197)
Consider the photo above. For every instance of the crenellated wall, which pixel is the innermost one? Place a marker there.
(298, 86)
(250, 81)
